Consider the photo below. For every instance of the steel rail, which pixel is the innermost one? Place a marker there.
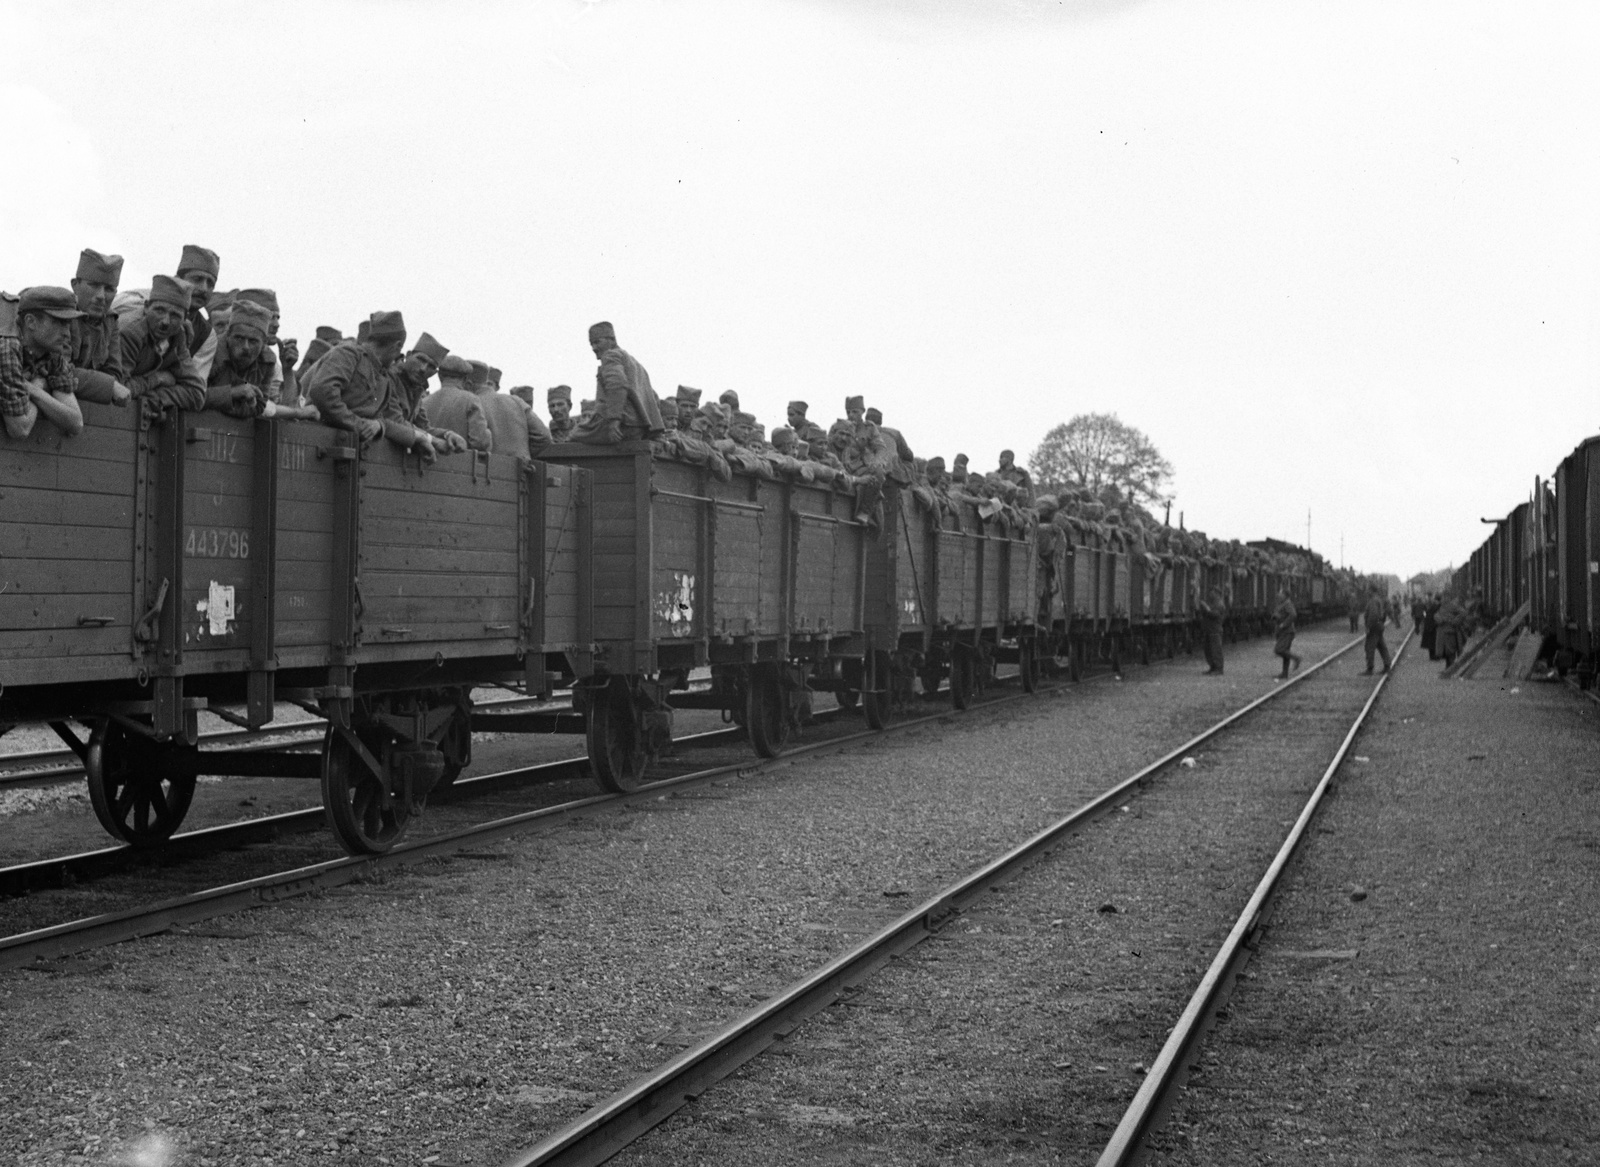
(114, 927)
(613, 1124)
(1158, 1092)
(62, 870)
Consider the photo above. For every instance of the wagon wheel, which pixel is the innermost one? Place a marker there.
(137, 795)
(876, 706)
(456, 746)
(767, 712)
(353, 795)
(616, 740)
(963, 678)
(1028, 663)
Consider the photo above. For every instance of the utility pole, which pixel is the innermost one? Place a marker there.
(1308, 528)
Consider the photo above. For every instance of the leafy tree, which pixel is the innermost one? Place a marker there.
(1098, 450)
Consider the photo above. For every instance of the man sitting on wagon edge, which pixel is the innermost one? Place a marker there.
(35, 375)
(627, 409)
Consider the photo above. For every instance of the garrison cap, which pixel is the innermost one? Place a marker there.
(743, 418)
(854, 403)
(587, 406)
(494, 376)
(935, 463)
(714, 410)
(430, 348)
(266, 297)
(782, 436)
(523, 393)
(479, 374)
(875, 415)
(961, 459)
(386, 326)
(843, 426)
(799, 407)
(99, 269)
(689, 397)
(166, 290)
(249, 316)
(197, 258)
(328, 334)
(596, 331)
(1008, 454)
(730, 398)
(559, 393)
(57, 302)
(363, 330)
(669, 409)
(454, 366)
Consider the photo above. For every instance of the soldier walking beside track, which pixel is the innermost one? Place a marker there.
(1283, 617)
(1213, 610)
(1377, 612)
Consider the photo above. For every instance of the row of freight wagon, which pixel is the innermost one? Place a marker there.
(150, 570)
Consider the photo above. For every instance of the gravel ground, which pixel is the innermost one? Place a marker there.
(1451, 1014)
(454, 1011)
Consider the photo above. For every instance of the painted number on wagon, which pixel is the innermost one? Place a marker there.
(217, 543)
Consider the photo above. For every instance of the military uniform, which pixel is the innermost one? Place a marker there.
(145, 358)
(561, 428)
(1213, 611)
(456, 408)
(626, 407)
(226, 376)
(96, 344)
(1283, 618)
(1377, 612)
(350, 385)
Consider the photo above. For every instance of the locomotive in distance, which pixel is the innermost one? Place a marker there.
(170, 555)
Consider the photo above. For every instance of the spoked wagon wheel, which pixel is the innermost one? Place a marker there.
(456, 746)
(963, 678)
(137, 795)
(616, 739)
(767, 712)
(875, 706)
(1028, 663)
(353, 795)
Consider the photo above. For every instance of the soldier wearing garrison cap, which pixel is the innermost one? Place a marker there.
(326, 337)
(199, 267)
(96, 347)
(804, 429)
(514, 430)
(155, 349)
(411, 374)
(524, 394)
(1014, 474)
(730, 398)
(559, 401)
(36, 377)
(901, 465)
(352, 389)
(688, 400)
(453, 406)
(241, 379)
(627, 408)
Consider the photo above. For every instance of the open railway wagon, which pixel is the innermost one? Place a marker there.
(948, 597)
(1498, 570)
(1578, 559)
(149, 571)
(1085, 596)
(761, 580)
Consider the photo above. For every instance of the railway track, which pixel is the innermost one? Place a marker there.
(618, 1121)
(109, 928)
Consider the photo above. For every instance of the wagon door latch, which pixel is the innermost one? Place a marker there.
(145, 630)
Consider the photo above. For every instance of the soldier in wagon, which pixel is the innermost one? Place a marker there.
(411, 375)
(238, 383)
(688, 400)
(326, 337)
(786, 456)
(199, 267)
(96, 347)
(352, 389)
(36, 376)
(901, 460)
(280, 354)
(559, 401)
(628, 409)
(804, 430)
(514, 430)
(730, 398)
(155, 349)
(455, 408)
(1014, 474)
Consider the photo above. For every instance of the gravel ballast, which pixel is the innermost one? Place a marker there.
(455, 1011)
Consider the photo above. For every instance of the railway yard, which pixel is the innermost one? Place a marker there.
(1423, 991)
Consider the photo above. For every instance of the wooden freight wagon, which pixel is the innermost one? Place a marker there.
(760, 580)
(249, 561)
(947, 597)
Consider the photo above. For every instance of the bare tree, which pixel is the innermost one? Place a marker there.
(1098, 450)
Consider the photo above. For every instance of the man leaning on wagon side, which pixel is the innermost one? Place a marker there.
(96, 346)
(155, 349)
(352, 390)
(627, 408)
(36, 377)
(411, 374)
(455, 407)
(241, 382)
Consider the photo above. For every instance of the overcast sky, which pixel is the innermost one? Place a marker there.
(1337, 258)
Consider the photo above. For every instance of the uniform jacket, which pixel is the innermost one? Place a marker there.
(1377, 613)
(453, 408)
(348, 383)
(512, 425)
(142, 358)
(625, 394)
(224, 376)
(96, 356)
